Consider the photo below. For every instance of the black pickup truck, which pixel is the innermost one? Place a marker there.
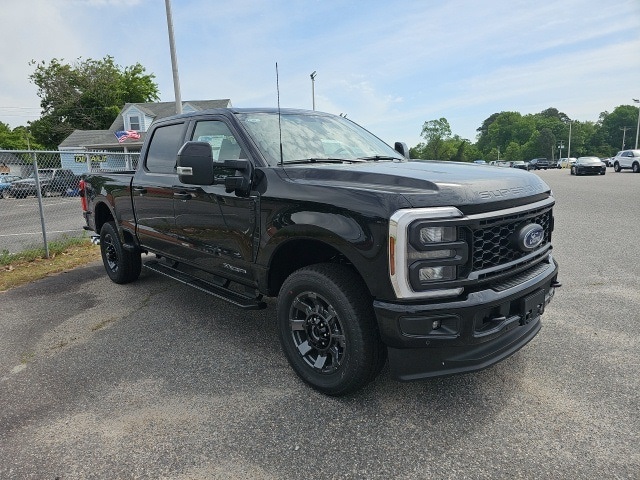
(437, 267)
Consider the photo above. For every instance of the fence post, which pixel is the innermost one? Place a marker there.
(39, 195)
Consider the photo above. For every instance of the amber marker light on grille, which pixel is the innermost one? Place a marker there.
(392, 255)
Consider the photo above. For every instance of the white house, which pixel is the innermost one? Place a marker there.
(135, 117)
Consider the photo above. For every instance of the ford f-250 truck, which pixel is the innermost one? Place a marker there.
(439, 267)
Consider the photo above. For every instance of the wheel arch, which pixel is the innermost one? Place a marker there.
(297, 253)
(102, 214)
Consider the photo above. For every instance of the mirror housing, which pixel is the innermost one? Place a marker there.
(195, 164)
(402, 149)
(196, 167)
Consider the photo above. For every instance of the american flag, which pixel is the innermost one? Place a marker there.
(122, 135)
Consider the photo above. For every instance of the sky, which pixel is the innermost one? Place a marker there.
(389, 66)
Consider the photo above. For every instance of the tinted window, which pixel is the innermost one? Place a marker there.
(163, 149)
(224, 145)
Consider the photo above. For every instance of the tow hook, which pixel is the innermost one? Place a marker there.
(556, 284)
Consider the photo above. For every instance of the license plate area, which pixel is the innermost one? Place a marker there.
(532, 306)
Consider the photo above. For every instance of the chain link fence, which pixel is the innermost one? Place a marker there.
(39, 194)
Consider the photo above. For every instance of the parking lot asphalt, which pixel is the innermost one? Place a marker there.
(155, 380)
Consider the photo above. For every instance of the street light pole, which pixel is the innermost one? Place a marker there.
(638, 126)
(313, 92)
(569, 146)
(560, 147)
(174, 59)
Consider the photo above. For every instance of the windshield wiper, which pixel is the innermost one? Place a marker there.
(379, 157)
(324, 160)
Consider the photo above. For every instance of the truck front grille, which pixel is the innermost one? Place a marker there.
(492, 243)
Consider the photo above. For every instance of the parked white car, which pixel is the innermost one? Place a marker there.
(566, 162)
(627, 159)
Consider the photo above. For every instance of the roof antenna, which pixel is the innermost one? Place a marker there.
(279, 124)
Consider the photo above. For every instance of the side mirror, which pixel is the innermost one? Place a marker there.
(197, 167)
(195, 164)
(241, 184)
(402, 149)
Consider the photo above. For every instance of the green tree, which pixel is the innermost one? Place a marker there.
(618, 126)
(17, 139)
(435, 132)
(87, 95)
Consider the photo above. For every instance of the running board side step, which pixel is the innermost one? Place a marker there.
(222, 292)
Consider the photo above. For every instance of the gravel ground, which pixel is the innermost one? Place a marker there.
(155, 380)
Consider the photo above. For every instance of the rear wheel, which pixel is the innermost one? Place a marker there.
(328, 329)
(121, 265)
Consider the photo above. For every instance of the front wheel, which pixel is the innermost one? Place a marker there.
(121, 265)
(328, 329)
(616, 167)
(636, 167)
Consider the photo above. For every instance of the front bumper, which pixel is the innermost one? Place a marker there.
(450, 337)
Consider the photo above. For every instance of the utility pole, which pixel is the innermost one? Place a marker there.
(313, 92)
(174, 59)
(624, 134)
(637, 126)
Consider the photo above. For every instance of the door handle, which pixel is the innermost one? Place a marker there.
(140, 190)
(182, 195)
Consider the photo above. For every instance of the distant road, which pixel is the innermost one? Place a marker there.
(20, 224)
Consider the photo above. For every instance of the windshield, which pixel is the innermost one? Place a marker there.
(589, 160)
(42, 174)
(309, 137)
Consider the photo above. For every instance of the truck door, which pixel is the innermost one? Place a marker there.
(215, 229)
(152, 189)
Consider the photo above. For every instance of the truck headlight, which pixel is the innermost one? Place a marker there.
(431, 235)
(430, 274)
(425, 251)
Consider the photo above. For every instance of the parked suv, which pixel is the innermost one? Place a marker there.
(539, 163)
(51, 180)
(627, 159)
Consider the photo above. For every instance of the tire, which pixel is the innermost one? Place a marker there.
(44, 192)
(573, 172)
(121, 265)
(604, 172)
(328, 329)
(616, 167)
(636, 167)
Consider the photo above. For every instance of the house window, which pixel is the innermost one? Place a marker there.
(134, 122)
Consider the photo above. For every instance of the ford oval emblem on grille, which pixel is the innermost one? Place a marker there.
(529, 237)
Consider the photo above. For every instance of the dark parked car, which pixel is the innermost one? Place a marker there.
(540, 163)
(588, 166)
(520, 164)
(52, 180)
(5, 182)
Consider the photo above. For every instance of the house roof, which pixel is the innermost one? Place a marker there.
(166, 109)
(105, 139)
(98, 139)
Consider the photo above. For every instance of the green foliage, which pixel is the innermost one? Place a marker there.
(19, 138)
(620, 125)
(523, 137)
(87, 95)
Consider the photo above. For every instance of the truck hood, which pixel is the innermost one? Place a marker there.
(425, 183)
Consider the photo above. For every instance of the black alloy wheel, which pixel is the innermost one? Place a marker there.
(328, 330)
(121, 265)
